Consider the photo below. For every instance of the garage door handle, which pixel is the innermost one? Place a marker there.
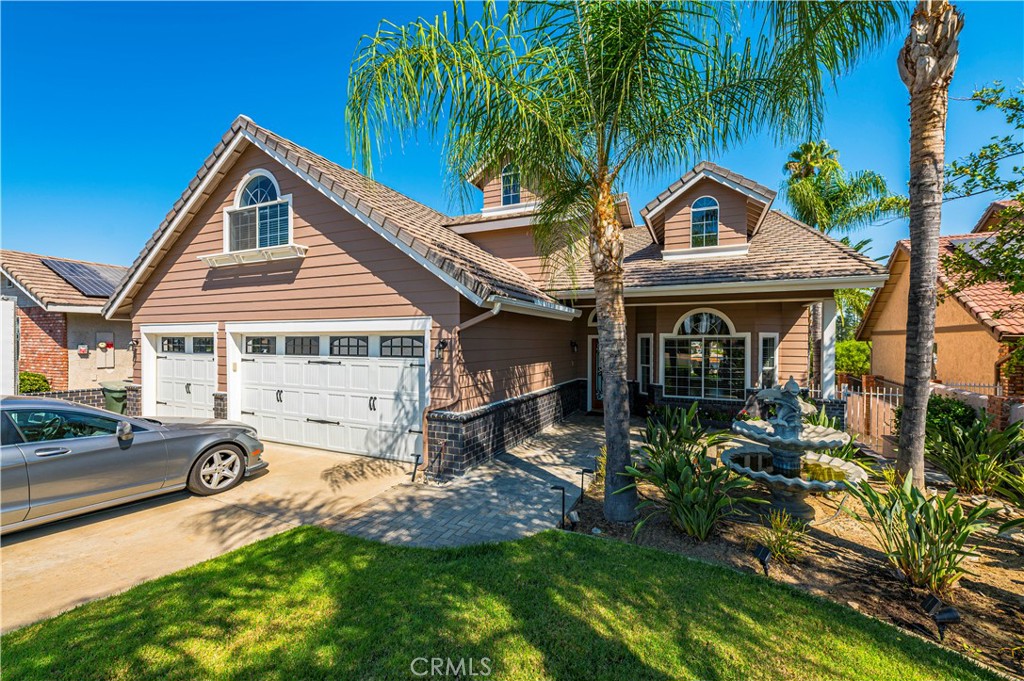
(249, 413)
(51, 451)
(321, 361)
(248, 359)
(188, 388)
(330, 423)
(279, 397)
(159, 402)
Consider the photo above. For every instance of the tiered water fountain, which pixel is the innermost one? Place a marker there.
(789, 456)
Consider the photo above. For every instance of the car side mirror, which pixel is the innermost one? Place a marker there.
(124, 432)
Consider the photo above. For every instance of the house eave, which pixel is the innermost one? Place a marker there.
(806, 284)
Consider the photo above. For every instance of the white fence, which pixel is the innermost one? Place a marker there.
(871, 414)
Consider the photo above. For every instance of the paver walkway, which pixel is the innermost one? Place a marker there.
(508, 498)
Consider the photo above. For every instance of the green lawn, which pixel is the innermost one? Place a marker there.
(311, 604)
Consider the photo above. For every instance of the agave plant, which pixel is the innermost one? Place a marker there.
(927, 539)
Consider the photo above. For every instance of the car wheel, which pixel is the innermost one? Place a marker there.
(217, 470)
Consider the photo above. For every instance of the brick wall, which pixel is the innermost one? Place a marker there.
(93, 397)
(1011, 373)
(220, 405)
(43, 349)
(460, 440)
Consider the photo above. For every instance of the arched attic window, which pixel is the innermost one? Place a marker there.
(704, 223)
(510, 185)
(261, 217)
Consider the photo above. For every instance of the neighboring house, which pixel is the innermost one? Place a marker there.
(331, 311)
(63, 333)
(973, 327)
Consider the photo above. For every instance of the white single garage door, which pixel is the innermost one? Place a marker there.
(362, 394)
(186, 376)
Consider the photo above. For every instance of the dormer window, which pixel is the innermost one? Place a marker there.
(704, 223)
(261, 217)
(509, 185)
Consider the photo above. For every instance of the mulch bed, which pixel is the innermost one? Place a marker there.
(842, 562)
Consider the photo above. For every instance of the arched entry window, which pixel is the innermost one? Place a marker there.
(704, 358)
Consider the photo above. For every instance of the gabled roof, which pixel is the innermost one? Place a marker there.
(712, 171)
(992, 304)
(993, 210)
(784, 251)
(412, 227)
(47, 288)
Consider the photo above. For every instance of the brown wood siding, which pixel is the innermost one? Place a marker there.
(514, 245)
(492, 193)
(513, 354)
(348, 272)
(732, 216)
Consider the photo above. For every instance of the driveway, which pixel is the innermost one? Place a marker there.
(50, 569)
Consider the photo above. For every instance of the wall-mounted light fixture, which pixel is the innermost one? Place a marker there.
(574, 345)
(440, 348)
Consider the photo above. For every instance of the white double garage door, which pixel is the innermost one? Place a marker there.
(353, 391)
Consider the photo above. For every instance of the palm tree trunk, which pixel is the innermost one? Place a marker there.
(606, 253)
(927, 62)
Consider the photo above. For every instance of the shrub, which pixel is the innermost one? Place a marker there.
(30, 382)
(977, 459)
(925, 539)
(695, 493)
(853, 357)
(941, 409)
(782, 536)
(600, 462)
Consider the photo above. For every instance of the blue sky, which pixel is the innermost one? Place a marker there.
(109, 109)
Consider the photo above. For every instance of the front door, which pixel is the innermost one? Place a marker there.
(596, 377)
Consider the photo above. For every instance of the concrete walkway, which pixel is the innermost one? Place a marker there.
(508, 498)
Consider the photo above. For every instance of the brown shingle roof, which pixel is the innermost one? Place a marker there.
(784, 248)
(417, 226)
(45, 285)
(702, 168)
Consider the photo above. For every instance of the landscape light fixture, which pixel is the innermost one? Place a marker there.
(764, 557)
(561, 520)
(415, 464)
(943, 615)
(440, 348)
(574, 519)
(583, 473)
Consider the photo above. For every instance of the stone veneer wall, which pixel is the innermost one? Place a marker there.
(460, 440)
(220, 405)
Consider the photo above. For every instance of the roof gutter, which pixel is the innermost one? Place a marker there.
(808, 284)
(546, 310)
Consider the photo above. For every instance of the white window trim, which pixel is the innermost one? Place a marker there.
(501, 178)
(718, 219)
(592, 318)
(745, 335)
(760, 360)
(706, 252)
(255, 172)
(639, 366)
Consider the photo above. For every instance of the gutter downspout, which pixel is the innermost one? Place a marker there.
(456, 391)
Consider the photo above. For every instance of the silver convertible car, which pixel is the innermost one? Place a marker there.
(62, 459)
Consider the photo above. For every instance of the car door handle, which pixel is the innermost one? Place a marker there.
(51, 451)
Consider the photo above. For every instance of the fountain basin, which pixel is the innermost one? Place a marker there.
(818, 473)
(809, 437)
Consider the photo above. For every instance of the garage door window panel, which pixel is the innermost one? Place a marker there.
(401, 346)
(172, 344)
(302, 345)
(261, 345)
(202, 345)
(350, 346)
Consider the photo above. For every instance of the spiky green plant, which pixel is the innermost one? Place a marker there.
(783, 536)
(978, 458)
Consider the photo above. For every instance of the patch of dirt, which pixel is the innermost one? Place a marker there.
(842, 561)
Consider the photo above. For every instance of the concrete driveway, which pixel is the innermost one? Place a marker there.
(50, 569)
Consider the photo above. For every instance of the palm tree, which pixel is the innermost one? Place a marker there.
(825, 196)
(926, 63)
(582, 95)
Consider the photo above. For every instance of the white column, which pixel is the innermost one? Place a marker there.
(828, 348)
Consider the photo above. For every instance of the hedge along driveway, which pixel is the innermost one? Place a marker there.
(311, 604)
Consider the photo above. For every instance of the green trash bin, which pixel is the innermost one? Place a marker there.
(115, 396)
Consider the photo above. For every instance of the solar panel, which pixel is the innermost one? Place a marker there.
(973, 246)
(94, 281)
